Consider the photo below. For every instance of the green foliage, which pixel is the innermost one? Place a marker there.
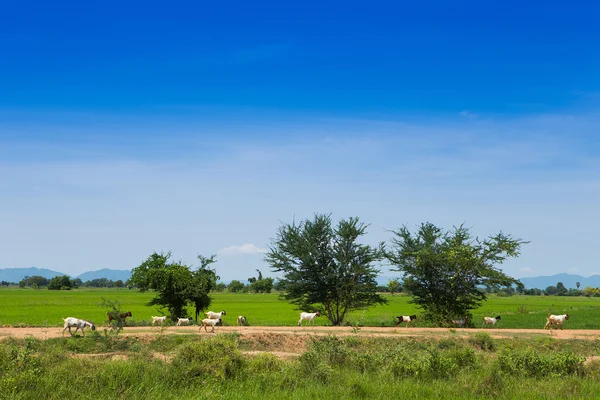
(175, 283)
(217, 358)
(265, 363)
(37, 281)
(62, 282)
(394, 286)
(264, 285)
(235, 286)
(114, 310)
(326, 268)
(334, 369)
(220, 287)
(483, 341)
(444, 271)
(531, 363)
(19, 367)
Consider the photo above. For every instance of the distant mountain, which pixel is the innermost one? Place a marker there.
(542, 282)
(18, 274)
(112, 274)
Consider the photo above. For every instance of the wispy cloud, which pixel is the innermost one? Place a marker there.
(517, 174)
(468, 114)
(247, 248)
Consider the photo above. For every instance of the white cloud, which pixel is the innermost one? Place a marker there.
(247, 248)
(573, 270)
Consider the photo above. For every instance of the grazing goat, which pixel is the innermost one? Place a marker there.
(405, 318)
(490, 321)
(215, 315)
(310, 317)
(183, 321)
(160, 320)
(460, 323)
(556, 320)
(241, 320)
(78, 324)
(122, 316)
(210, 322)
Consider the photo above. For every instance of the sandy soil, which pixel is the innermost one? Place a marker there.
(265, 331)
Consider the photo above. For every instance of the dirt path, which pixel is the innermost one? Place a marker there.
(53, 332)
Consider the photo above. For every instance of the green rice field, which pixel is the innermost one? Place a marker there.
(29, 307)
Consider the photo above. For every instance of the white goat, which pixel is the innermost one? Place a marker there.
(308, 316)
(210, 322)
(78, 324)
(215, 315)
(460, 323)
(490, 321)
(160, 320)
(405, 318)
(556, 320)
(183, 321)
(241, 320)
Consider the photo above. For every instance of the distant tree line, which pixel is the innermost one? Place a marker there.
(63, 282)
(257, 284)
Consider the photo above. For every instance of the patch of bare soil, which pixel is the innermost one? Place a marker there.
(275, 341)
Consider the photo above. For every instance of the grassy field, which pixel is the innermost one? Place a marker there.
(46, 308)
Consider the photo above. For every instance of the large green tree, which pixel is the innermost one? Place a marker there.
(446, 272)
(175, 283)
(325, 268)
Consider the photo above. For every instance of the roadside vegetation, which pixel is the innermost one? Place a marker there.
(226, 366)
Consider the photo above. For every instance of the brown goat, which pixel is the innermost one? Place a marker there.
(122, 316)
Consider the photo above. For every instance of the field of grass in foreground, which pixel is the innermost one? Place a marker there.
(216, 366)
(46, 308)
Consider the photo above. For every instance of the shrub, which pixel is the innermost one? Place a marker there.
(483, 341)
(264, 363)
(531, 363)
(216, 358)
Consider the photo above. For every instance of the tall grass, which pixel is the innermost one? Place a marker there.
(331, 368)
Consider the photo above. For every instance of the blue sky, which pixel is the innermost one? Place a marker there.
(128, 129)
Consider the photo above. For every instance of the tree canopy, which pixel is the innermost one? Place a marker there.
(175, 283)
(446, 272)
(325, 268)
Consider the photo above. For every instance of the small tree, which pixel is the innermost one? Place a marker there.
(551, 290)
(204, 279)
(175, 283)
(577, 284)
(235, 286)
(113, 310)
(61, 282)
(394, 286)
(262, 285)
(326, 268)
(445, 271)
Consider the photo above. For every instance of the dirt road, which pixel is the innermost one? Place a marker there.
(53, 332)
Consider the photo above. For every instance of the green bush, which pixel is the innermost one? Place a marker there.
(216, 358)
(532, 363)
(483, 341)
(264, 363)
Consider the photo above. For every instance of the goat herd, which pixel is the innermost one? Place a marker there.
(214, 318)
